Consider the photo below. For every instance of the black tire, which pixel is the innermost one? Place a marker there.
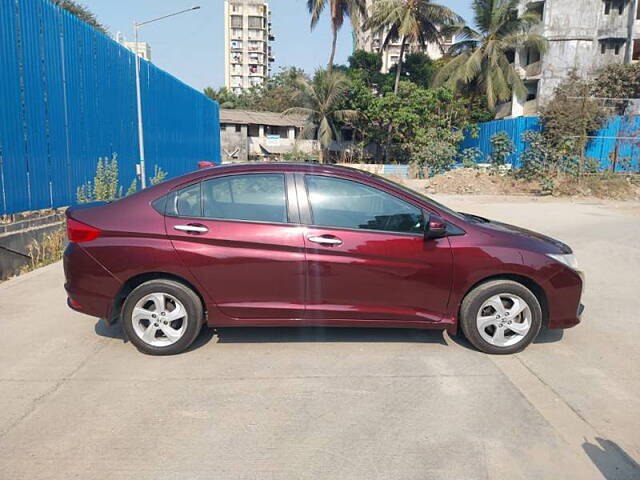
(483, 292)
(188, 298)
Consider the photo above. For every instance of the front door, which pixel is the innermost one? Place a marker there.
(367, 257)
(234, 234)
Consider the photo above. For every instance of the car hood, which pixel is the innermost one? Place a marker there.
(548, 244)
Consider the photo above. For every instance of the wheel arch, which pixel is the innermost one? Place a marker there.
(137, 280)
(527, 282)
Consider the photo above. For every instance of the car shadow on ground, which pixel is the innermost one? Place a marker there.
(327, 334)
(545, 336)
(116, 332)
(611, 459)
(319, 334)
(292, 334)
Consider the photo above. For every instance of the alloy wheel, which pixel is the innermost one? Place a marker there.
(504, 320)
(159, 319)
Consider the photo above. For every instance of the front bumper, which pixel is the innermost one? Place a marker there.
(564, 296)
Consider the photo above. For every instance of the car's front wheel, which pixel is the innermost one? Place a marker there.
(162, 317)
(500, 317)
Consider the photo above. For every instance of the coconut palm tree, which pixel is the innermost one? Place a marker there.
(339, 10)
(323, 95)
(480, 57)
(410, 22)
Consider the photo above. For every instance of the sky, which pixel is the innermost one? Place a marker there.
(190, 46)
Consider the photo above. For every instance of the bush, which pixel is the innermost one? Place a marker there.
(501, 148)
(48, 251)
(159, 176)
(470, 157)
(105, 184)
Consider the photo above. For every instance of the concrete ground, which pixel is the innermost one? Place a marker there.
(78, 402)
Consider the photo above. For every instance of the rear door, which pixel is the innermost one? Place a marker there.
(240, 238)
(367, 257)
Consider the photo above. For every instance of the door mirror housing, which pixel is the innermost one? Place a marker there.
(435, 227)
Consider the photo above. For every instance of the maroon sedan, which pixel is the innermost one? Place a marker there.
(301, 244)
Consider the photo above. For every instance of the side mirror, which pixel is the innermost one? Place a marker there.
(435, 228)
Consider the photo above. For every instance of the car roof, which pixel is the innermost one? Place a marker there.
(270, 167)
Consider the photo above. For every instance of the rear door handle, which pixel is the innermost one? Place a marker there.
(195, 228)
(329, 240)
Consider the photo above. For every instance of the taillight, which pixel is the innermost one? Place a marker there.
(79, 232)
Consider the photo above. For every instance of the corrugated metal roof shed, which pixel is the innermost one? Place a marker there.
(247, 117)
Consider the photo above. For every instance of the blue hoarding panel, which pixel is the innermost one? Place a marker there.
(616, 139)
(68, 98)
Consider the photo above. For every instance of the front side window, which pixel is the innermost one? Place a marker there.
(249, 197)
(342, 203)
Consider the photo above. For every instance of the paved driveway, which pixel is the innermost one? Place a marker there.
(77, 402)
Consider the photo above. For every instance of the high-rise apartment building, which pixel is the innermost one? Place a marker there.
(372, 42)
(247, 37)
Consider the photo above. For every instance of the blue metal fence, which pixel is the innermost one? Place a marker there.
(67, 97)
(614, 140)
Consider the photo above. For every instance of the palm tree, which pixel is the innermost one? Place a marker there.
(323, 95)
(410, 22)
(480, 58)
(339, 10)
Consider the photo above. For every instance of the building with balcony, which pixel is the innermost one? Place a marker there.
(370, 41)
(584, 36)
(247, 37)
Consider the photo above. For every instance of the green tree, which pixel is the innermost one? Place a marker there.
(480, 58)
(228, 99)
(338, 11)
(410, 22)
(82, 12)
(418, 68)
(277, 94)
(618, 81)
(322, 97)
(571, 117)
(368, 62)
(280, 92)
(420, 126)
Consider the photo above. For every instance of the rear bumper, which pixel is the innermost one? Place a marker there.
(90, 287)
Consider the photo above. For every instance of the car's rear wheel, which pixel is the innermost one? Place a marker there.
(162, 317)
(500, 317)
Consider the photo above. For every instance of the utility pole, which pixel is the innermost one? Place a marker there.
(136, 28)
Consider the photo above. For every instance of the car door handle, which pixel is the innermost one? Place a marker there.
(192, 228)
(328, 240)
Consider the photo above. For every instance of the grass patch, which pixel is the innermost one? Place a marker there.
(47, 251)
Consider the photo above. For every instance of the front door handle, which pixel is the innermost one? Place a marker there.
(195, 228)
(326, 240)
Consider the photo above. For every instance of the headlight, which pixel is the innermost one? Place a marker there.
(569, 260)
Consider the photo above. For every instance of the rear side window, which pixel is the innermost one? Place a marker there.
(342, 203)
(186, 202)
(249, 197)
